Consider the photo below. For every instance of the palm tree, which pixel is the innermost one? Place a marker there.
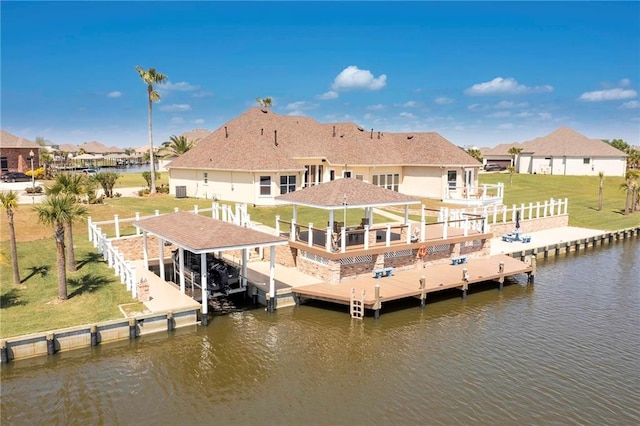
(10, 204)
(630, 185)
(265, 102)
(475, 153)
(56, 211)
(175, 146)
(601, 176)
(71, 184)
(151, 77)
(514, 151)
(511, 170)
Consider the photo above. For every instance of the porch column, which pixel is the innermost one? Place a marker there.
(245, 257)
(422, 225)
(272, 279)
(295, 213)
(181, 266)
(203, 283)
(406, 214)
(444, 227)
(145, 250)
(161, 257)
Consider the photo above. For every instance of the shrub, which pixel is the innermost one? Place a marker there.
(34, 190)
(147, 178)
(107, 180)
(37, 173)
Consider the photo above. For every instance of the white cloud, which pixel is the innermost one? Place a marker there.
(410, 104)
(327, 95)
(175, 107)
(507, 104)
(114, 94)
(202, 94)
(407, 115)
(630, 105)
(443, 100)
(181, 86)
(354, 78)
(300, 106)
(198, 121)
(608, 95)
(505, 126)
(625, 82)
(477, 107)
(376, 107)
(504, 86)
(499, 114)
(297, 113)
(177, 120)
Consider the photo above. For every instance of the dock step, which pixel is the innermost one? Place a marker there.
(356, 307)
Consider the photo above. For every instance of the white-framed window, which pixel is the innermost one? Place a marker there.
(586, 160)
(332, 175)
(265, 185)
(346, 174)
(452, 179)
(206, 177)
(287, 184)
(388, 181)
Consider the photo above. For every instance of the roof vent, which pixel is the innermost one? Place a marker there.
(371, 133)
(264, 110)
(262, 131)
(342, 135)
(361, 129)
(275, 137)
(334, 131)
(410, 137)
(226, 133)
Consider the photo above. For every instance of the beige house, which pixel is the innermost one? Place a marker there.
(260, 155)
(562, 152)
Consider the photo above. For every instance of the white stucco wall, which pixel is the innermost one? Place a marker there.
(575, 166)
(423, 181)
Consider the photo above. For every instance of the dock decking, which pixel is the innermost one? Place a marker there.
(406, 283)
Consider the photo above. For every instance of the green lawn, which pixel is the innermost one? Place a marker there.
(95, 293)
(582, 192)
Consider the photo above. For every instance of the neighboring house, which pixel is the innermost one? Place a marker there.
(15, 153)
(563, 152)
(260, 155)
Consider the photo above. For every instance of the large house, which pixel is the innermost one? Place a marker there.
(562, 152)
(17, 154)
(260, 155)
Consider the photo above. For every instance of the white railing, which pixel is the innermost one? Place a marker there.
(481, 194)
(223, 212)
(114, 258)
(503, 214)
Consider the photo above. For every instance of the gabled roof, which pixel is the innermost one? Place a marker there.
(260, 140)
(196, 135)
(99, 148)
(69, 147)
(349, 192)
(9, 140)
(201, 234)
(562, 142)
(502, 149)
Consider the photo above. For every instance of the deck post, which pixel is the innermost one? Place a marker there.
(422, 224)
(377, 304)
(89, 230)
(272, 281)
(161, 257)
(116, 222)
(465, 282)
(366, 237)
(145, 250)
(310, 235)
(501, 272)
(423, 291)
(532, 275)
(181, 263)
(292, 236)
(137, 219)
(388, 236)
(243, 271)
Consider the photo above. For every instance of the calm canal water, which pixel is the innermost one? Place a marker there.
(562, 352)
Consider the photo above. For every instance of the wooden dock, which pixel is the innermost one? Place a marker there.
(407, 283)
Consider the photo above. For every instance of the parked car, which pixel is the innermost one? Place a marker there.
(15, 177)
(494, 167)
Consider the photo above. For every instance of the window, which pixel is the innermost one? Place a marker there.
(287, 184)
(332, 175)
(388, 181)
(359, 177)
(265, 185)
(206, 177)
(346, 174)
(586, 160)
(4, 164)
(452, 179)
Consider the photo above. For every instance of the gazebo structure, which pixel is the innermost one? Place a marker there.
(202, 236)
(341, 251)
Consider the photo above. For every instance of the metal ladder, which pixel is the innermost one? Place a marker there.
(357, 305)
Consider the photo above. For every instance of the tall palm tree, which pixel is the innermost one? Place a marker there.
(151, 77)
(475, 153)
(175, 146)
(56, 211)
(601, 176)
(71, 184)
(630, 185)
(9, 202)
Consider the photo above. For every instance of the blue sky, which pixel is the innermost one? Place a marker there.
(479, 73)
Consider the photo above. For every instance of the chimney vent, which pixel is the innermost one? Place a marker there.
(378, 135)
(261, 131)
(275, 137)
(371, 133)
(334, 131)
(226, 133)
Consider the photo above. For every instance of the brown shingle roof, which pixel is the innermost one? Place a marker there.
(261, 140)
(198, 233)
(99, 148)
(355, 193)
(9, 140)
(196, 135)
(561, 142)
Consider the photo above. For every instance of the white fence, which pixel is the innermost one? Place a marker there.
(503, 214)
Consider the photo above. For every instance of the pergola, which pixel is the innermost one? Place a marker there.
(342, 194)
(202, 235)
